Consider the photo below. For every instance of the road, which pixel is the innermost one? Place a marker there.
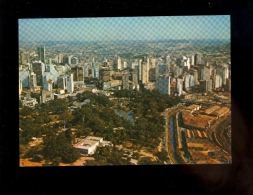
(168, 114)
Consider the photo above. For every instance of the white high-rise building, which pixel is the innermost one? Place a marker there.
(119, 64)
(188, 63)
(179, 86)
(193, 60)
(20, 87)
(144, 74)
(70, 83)
(140, 64)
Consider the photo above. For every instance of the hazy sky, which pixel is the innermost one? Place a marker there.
(125, 28)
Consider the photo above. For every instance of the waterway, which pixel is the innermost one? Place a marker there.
(172, 135)
(127, 115)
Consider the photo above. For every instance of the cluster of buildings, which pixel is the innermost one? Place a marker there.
(65, 74)
(200, 117)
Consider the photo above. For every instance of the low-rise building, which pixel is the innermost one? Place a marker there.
(88, 145)
(221, 111)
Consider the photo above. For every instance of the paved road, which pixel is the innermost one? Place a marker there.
(168, 114)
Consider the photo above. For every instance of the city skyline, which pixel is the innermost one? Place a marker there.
(125, 28)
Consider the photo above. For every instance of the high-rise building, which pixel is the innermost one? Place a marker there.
(70, 83)
(39, 69)
(228, 85)
(24, 57)
(163, 84)
(153, 63)
(198, 59)
(176, 71)
(61, 82)
(140, 67)
(205, 73)
(74, 61)
(119, 63)
(78, 73)
(20, 86)
(144, 74)
(125, 81)
(161, 69)
(193, 60)
(194, 73)
(224, 72)
(179, 86)
(205, 85)
(60, 58)
(217, 81)
(41, 54)
(32, 81)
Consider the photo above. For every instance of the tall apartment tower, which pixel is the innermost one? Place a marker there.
(205, 73)
(125, 81)
(78, 73)
(197, 59)
(24, 57)
(41, 54)
(32, 81)
(163, 84)
(39, 69)
(70, 83)
(179, 86)
(140, 68)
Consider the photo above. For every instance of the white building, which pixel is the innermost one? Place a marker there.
(20, 87)
(70, 83)
(88, 145)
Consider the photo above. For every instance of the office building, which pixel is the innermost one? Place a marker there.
(24, 78)
(217, 81)
(24, 57)
(205, 85)
(163, 84)
(41, 54)
(179, 86)
(39, 69)
(32, 81)
(61, 82)
(19, 86)
(198, 59)
(125, 81)
(74, 61)
(78, 73)
(205, 73)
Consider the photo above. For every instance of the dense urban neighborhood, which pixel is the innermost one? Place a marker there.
(129, 102)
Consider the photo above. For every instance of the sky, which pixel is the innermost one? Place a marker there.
(125, 28)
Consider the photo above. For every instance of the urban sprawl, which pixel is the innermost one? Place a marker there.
(125, 103)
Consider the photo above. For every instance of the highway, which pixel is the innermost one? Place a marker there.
(169, 140)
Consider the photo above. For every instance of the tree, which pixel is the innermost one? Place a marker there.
(66, 117)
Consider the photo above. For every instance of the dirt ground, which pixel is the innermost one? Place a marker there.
(28, 163)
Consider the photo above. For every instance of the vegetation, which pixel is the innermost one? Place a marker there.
(97, 118)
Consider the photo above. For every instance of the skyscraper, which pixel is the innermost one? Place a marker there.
(163, 84)
(24, 57)
(41, 54)
(39, 69)
(179, 86)
(70, 83)
(32, 81)
(78, 73)
(125, 81)
(197, 59)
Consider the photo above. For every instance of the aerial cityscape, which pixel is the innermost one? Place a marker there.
(125, 91)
